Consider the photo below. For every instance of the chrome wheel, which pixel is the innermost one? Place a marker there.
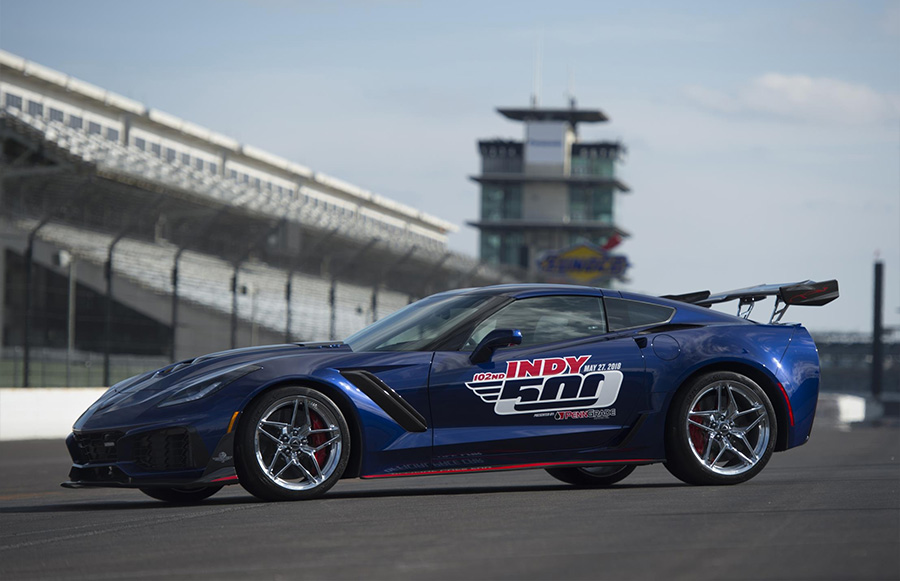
(292, 443)
(297, 443)
(728, 428)
(721, 429)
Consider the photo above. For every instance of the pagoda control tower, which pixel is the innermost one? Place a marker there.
(547, 203)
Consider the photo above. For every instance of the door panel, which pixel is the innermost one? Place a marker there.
(387, 447)
(535, 404)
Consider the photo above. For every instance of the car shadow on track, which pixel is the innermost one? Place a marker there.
(141, 504)
(484, 489)
(118, 505)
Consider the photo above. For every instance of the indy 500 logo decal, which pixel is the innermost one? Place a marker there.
(546, 385)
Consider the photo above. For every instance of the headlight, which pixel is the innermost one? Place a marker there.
(207, 385)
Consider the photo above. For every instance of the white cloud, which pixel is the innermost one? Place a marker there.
(802, 98)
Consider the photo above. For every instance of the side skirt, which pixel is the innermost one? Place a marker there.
(635, 461)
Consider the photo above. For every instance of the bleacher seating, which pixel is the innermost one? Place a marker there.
(77, 153)
(304, 208)
(206, 281)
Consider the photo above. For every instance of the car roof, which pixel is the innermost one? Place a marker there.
(533, 289)
(685, 312)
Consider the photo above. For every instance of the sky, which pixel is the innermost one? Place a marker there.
(763, 137)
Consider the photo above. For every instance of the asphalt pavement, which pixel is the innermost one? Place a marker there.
(827, 510)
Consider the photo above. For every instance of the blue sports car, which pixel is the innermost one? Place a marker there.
(583, 382)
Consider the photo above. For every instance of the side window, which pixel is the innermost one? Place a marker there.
(626, 314)
(545, 320)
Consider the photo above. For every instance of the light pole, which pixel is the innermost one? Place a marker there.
(65, 259)
(878, 331)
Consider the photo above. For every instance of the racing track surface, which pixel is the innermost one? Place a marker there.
(828, 510)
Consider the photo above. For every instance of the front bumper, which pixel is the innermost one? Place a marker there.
(166, 456)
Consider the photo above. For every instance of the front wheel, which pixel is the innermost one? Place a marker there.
(292, 444)
(592, 475)
(721, 430)
(180, 495)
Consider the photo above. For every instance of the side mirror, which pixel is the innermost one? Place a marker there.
(493, 341)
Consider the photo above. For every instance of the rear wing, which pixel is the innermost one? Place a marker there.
(808, 293)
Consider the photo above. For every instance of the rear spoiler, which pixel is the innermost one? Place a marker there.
(808, 293)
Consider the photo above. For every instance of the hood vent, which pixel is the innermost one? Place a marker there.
(175, 367)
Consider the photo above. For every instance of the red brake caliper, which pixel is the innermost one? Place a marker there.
(316, 440)
(698, 438)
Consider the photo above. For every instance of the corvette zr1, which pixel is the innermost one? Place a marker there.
(586, 383)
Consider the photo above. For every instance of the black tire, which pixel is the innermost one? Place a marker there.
(721, 429)
(292, 443)
(181, 495)
(592, 475)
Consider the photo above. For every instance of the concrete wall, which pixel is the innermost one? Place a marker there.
(48, 413)
(42, 413)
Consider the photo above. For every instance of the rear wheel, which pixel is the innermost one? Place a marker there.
(293, 444)
(181, 495)
(592, 475)
(721, 430)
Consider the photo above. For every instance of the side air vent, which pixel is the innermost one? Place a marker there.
(387, 399)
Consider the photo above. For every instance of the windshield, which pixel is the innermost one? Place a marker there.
(417, 325)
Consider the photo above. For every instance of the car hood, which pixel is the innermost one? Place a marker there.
(155, 386)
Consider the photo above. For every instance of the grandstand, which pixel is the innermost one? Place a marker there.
(176, 240)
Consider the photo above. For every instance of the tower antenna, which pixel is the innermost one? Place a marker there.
(570, 89)
(538, 54)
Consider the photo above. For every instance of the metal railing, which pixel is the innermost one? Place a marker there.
(52, 367)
